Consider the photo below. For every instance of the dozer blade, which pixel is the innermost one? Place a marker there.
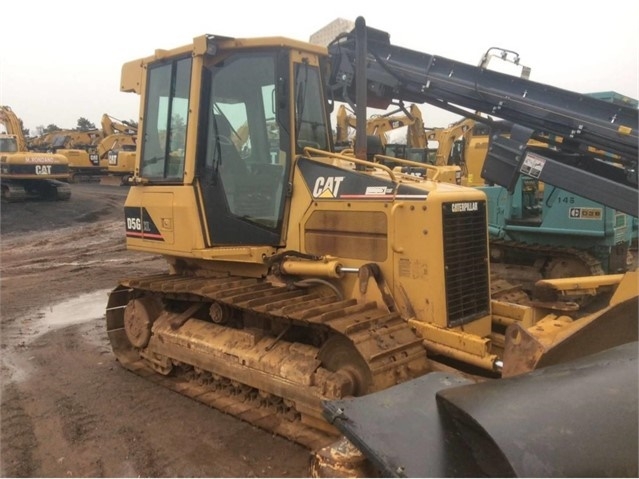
(401, 431)
(549, 342)
(576, 419)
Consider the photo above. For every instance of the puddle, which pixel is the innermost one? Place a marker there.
(75, 310)
(17, 363)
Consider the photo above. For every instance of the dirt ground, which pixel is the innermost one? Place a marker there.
(67, 408)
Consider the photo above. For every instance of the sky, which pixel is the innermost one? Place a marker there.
(60, 61)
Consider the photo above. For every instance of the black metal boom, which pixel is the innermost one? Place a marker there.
(593, 140)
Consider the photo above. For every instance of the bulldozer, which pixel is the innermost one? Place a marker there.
(298, 277)
(27, 174)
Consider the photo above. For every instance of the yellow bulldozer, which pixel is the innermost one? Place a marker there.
(298, 277)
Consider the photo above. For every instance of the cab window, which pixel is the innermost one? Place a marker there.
(309, 109)
(166, 121)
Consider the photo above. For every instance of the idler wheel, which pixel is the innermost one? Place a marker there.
(338, 354)
(139, 316)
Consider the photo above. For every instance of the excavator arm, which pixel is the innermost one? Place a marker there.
(446, 137)
(593, 142)
(111, 126)
(380, 125)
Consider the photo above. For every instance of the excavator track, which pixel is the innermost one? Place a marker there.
(588, 264)
(552, 262)
(50, 190)
(265, 353)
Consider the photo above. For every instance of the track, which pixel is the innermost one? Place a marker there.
(264, 353)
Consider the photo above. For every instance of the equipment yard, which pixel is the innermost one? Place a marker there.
(67, 408)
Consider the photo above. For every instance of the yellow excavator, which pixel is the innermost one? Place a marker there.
(95, 153)
(78, 147)
(411, 157)
(117, 147)
(28, 174)
(447, 137)
(381, 125)
(298, 277)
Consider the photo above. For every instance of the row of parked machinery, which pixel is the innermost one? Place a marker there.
(42, 167)
(94, 153)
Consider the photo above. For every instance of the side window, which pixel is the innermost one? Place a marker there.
(272, 128)
(309, 110)
(166, 122)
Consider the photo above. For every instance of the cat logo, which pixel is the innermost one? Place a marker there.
(43, 169)
(327, 187)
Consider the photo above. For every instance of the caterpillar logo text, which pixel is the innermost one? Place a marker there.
(43, 169)
(462, 207)
(327, 187)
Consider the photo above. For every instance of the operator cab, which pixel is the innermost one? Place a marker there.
(243, 152)
(8, 144)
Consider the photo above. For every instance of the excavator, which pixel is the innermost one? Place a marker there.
(122, 161)
(299, 277)
(380, 125)
(93, 154)
(78, 147)
(83, 139)
(117, 147)
(411, 157)
(376, 125)
(26, 174)
(448, 139)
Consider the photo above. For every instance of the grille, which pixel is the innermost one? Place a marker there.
(466, 261)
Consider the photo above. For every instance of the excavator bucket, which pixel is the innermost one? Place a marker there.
(575, 419)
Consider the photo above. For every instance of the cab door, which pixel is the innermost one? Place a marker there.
(243, 165)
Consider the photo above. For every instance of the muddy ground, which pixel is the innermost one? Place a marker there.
(67, 408)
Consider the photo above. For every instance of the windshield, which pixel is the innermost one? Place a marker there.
(8, 145)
